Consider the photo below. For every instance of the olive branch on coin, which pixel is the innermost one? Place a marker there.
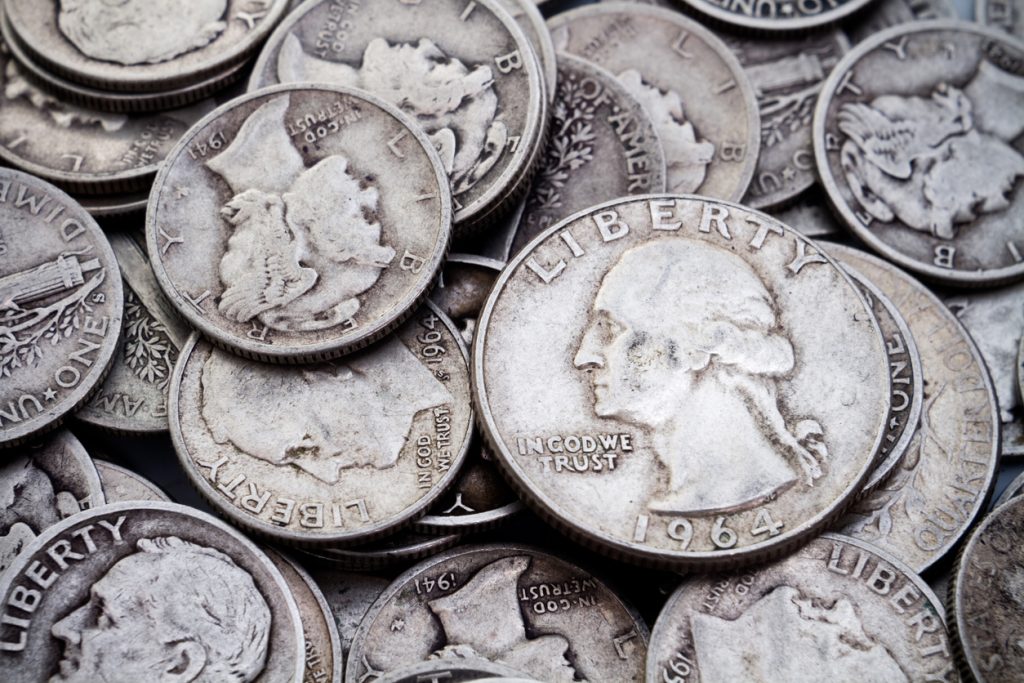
(571, 144)
(148, 350)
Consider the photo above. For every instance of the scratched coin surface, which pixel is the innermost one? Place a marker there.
(125, 590)
(1007, 15)
(786, 16)
(133, 399)
(40, 485)
(919, 139)
(694, 89)
(121, 485)
(61, 303)
(681, 381)
(141, 45)
(602, 144)
(465, 73)
(356, 447)
(508, 604)
(940, 487)
(349, 596)
(299, 223)
(882, 14)
(836, 610)
(988, 617)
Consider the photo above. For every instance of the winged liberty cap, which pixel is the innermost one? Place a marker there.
(261, 157)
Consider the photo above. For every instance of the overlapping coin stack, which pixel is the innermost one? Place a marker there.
(447, 340)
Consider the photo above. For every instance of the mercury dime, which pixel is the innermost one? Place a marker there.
(462, 289)
(529, 18)
(775, 16)
(451, 671)
(299, 223)
(837, 609)
(918, 136)
(1005, 14)
(942, 483)
(681, 381)
(881, 14)
(602, 144)
(694, 89)
(401, 548)
(340, 452)
(133, 399)
(508, 604)
(465, 73)
(126, 590)
(41, 485)
(141, 45)
(986, 594)
(61, 303)
(348, 596)
(121, 485)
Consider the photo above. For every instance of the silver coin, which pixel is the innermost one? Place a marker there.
(836, 610)
(40, 485)
(986, 597)
(299, 223)
(323, 655)
(694, 89)
(918, 137)
(1007, 15)
(399, 549)
(530, 19)
(810, 216)
(142, 45)
(602, 144)
(926, 505)
(450, 671)
(61, 303)
(317, 474)
(681, 381)
(1013, 489)
(995, 320)
(465, 73)
(348, 597)
(133, 399)
(121, 485)
(126, 590)
(115, 207)
(507, 604)
(777, 16)
(882, 14)
(787, 74)
(462, 289)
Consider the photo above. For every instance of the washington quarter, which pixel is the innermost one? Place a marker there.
(882, 14)
(777, 16)
(348, 596)
(299, 223)
(681, 381)
(402, 548)
(121, 485)
(1007, 15)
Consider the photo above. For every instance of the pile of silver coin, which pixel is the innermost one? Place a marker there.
(489, 340)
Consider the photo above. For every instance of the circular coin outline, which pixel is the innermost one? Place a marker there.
(775, 26)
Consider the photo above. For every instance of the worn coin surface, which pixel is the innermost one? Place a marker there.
(141, 45)
(881, 14)
(348, 596)
(61, 303)
(918, 136)
(1007, 15)
(402, 548)
(681, 381)
(838, 609)
(940, 487)
(40, 485)
(271, 450)
(299, 223)
(692, 86)
(508, 604)
(768, 16)
(451, 671)
(465, 73)
(602, 144)
(810, 216)
(530, 19)
(133, 399)
(124, 590)
(121, 485)
(986, 597)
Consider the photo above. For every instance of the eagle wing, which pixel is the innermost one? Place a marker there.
(887, 143)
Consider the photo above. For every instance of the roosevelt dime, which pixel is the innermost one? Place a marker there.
(881, 14)
(40, 485)
(918, 136)
(692, 86)
(126, 590)
(508, 604)
(335, 453)
(465, 73)
(1007, 15)
(776, 16)
(299, 223)
(941, 485)
(61, 303)
(988, 617)
(121, 485)
(681, 381)
(838, 609)
(348, 596)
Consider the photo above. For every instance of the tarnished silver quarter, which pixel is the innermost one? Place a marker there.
(40, 485)
(986, 597)
(335, 453)
(121, 485)
(775, 16)
(299, 223)
(919, 139)
(881, 14)
(402, 548)
(508, 604)
(694, 89)
(61, 302)
(465, 73)
(348, 596)
(123, 591)
(681, 381)
(451, 671)
(941, 486)
(1007, 15)
(836, 610)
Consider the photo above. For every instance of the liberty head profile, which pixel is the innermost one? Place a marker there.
(684, 341)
